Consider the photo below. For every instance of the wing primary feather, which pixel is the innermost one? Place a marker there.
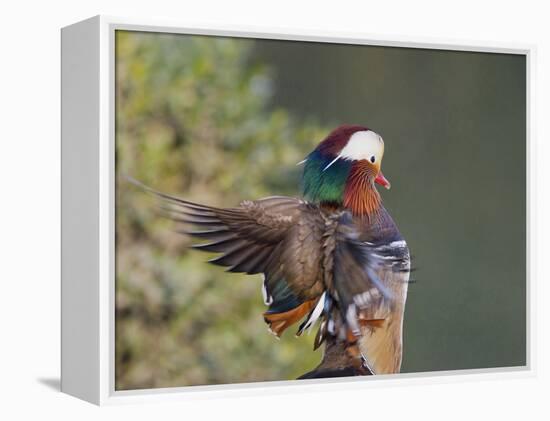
(165, 195)
(234, 256)
(225, 246)
(213, 225)
(253, 265)
(176, 212)
(189, 212)
(194, 219)
(212, 235)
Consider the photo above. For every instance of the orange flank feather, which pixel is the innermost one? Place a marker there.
(279, 322)
(370, 324)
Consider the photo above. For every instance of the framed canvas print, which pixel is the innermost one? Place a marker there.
(228, 225)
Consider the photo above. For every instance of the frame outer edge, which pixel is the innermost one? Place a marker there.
(80, 310)
(101, 124)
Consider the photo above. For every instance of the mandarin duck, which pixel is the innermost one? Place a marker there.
(334, 257)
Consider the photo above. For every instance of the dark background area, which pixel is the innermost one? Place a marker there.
(220, 120)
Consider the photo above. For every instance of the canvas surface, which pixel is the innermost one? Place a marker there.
(219, 120)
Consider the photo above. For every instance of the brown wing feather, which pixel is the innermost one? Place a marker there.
(277, 236)
(254, 230)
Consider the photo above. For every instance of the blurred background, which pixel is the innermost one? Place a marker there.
(218, 120)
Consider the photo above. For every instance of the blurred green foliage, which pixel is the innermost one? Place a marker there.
(191, 120)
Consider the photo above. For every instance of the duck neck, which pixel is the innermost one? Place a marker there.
(360, 194)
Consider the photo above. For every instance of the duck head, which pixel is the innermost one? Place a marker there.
(342, 170)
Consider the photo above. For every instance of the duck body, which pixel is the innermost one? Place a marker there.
(380, 342)
(340, 175)
(333, 258)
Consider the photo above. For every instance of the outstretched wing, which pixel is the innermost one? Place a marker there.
(280, 237)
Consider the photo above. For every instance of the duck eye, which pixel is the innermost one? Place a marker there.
(372, 159)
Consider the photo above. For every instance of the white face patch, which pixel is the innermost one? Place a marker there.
(364, 145)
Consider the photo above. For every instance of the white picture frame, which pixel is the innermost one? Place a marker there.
(88, 168)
